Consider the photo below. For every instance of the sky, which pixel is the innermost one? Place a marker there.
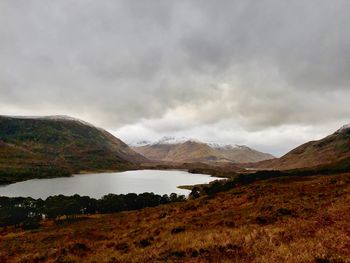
(269, 74)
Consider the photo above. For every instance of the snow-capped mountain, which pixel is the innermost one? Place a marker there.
(139, 143)
(164, 140)
(174, 149)
(174, 140)
(226, 146)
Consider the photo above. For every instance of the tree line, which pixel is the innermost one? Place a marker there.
(28, 212)
(218, 186)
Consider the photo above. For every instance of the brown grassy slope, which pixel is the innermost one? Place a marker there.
(18, 163)
(16, 155)
(279, 220)
(244, 154)
(315, 153)
(154, 152)
(61, 143)
(189, 151)
(192, 151)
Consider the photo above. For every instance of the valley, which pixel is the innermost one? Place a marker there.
(291, 209)
(174, 131)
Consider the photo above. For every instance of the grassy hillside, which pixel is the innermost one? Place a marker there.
(220, 169)
(42, 147)
(287, 219)
(244, 154)
(193, 151)
(330, 149)
(189, 151)
(18, 163)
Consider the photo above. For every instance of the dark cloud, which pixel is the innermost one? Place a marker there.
(175, 66)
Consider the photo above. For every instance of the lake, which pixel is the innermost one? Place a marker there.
(100, 184)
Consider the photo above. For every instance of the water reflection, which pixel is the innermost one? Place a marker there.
(98, 185)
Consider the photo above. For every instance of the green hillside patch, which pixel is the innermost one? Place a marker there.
(54, 147)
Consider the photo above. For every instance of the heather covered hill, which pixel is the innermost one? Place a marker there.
(282, 219)
(18, 163)
(333, 149)
(186, 150)
(50, 146)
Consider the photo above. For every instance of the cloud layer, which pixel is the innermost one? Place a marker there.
(268, 73)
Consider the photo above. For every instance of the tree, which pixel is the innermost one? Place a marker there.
(195, 193)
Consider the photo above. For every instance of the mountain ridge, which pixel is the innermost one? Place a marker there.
(171, 149)
(330, 149)
(48, 146)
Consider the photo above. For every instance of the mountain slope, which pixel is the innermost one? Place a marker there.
(189, 151)
(242, 154)
(28, 144)
(182, 150)
(331, 149)
(299, 219)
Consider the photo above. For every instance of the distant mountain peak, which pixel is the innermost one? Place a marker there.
(180, 140)
(184, 149)
(174, 140)
(227, 146)
(169, 140)
(140, 143)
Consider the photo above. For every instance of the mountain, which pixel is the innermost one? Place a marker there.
(171, 149)
(332, 149)
(241, 153)
(56, 145)
(189, 151)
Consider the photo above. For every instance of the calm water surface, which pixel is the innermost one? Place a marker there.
(98, 185)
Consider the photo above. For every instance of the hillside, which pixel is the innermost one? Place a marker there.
(58, 145)
(189, 151)
(195, 151)
(242, 154)
(331, 149)
(304, 219)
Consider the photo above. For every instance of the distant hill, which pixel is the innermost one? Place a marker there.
(185, 150)
(58, 145)
(189, 151)
(242, 153)
(332, 149)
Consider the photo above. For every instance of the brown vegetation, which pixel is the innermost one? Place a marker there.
(330, 149)
(227, 170)
(289, 219)
(49, 147)
(193, 151)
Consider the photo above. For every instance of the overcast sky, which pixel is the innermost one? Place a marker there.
(268, 74)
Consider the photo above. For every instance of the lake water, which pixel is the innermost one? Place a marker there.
(98, 185)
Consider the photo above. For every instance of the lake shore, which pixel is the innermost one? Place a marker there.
(97, 185)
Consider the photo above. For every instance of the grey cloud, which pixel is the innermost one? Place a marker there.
(120, 63)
